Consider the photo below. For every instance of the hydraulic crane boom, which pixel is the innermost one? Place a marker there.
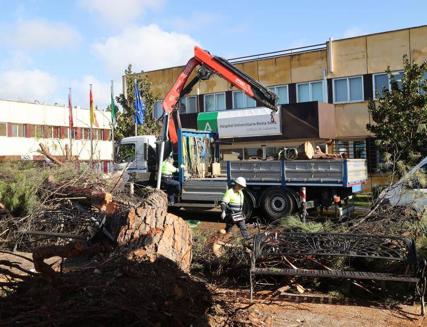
(209, 65)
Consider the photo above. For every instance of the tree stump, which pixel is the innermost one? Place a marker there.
(151, 232)
(143, 232)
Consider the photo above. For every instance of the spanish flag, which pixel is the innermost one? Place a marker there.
(93, 120)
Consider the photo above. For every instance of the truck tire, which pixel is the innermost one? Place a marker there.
(248, 204)
(277, 203)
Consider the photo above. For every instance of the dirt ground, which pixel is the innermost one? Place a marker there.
(312, 314)
(305, 310)
(288, 310)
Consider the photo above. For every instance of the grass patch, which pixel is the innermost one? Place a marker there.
(294, 223)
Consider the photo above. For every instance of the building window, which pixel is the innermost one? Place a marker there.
(359, 149)
(311, 91)
(106, 135)
(29, 130)
(158, 109)
(3, 129)
(348, 89)
(56, 132)
(383, 82)
(64, 133)
(38, 131)
(351, 149)
(214, 102)
(241, 100)
(47, 132)
(17, 130)
(282, 93)
(85, 133)
(188, 104)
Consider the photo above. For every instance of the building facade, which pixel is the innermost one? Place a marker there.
(337, 76)
(23, 126)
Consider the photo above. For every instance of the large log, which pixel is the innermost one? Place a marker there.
(151, 232)
(306, 151)
(145, 232)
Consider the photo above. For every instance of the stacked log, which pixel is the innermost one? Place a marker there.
(305, 151)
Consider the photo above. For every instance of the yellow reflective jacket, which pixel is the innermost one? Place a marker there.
(233, 199)
(168, 168)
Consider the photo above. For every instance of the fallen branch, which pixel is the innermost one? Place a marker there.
(44, 150)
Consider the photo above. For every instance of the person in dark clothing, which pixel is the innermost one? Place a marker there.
(171, 185)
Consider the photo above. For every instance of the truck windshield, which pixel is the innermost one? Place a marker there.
(126, 153)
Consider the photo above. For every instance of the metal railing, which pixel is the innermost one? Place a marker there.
(279, 53)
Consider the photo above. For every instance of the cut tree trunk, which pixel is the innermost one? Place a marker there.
(151, 232)
(306, 151)
(144, 232)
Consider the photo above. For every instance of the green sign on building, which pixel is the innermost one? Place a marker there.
(207, 121)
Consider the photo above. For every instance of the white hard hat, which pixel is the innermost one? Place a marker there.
(241, 181)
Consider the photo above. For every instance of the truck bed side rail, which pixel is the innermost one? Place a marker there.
(344, 173)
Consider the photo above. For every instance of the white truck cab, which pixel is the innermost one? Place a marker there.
(410, 190)
(136, 155)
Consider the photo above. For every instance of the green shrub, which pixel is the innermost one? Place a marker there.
(19, 184)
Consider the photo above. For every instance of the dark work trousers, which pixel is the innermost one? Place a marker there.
(241, 224)
(172, 187)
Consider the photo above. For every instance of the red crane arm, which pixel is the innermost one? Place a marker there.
(223, 68)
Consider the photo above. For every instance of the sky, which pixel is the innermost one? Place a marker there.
(48, 46)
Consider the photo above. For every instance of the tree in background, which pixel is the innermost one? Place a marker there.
(126, 119)
(400, 118)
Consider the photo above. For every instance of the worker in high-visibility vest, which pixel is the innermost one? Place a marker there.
(232, 207)
(171, 185)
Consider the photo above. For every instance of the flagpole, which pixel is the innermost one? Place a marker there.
(91, 130)
(70, 125)
(112, 119)
(135, 84)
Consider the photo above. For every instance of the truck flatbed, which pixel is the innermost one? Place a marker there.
(340, 173)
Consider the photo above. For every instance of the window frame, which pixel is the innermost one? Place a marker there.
(348, 89)
(20, 129)
(160, 101)
(310, 92)
(215, 101)
(186, 99)
(246, 97)
(396, 72)
(275, 88)
(5, 129)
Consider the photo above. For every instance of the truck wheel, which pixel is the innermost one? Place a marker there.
(248, 207)
(277, 203)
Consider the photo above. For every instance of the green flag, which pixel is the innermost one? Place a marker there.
(113, 106)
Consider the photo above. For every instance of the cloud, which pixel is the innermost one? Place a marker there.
(354, 31)
(16, 60)
(146, 48)
(195, 20)
(121, 12)
(27, 85)
(38, 34)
